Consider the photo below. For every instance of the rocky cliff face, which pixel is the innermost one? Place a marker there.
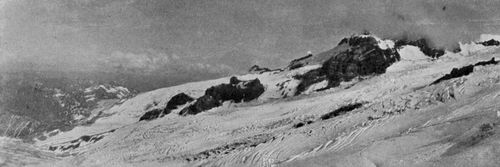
(353, 57)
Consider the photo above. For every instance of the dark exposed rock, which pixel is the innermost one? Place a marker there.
(298, 125)
(455, 73)
(95, 139)
(177, 100)
(363, 57)
(301, 124)
(86, 138)
(249, 142)
(486, 127)
(489, 62)
(309, 78)
(239, 91)
(83, 140)
(233, 81)
(150, 115)
(423, 45)
(236, 90)
(491, 42)
(257, 69)
(296, 63)
(173, 103)
(364, 60)
(342, 110)
(70, 147)
(52, 148)
(202, 104)
(460, 72)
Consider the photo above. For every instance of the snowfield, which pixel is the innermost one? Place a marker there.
(394, 119)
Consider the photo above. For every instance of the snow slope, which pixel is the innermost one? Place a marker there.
(402, 120)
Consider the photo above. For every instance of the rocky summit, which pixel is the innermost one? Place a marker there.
(356, 56)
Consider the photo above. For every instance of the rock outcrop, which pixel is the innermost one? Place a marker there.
(173, 103)
(255, 69)
(150, 115)
(353, 57)
(491, 42)
(236, 91)
(297, 63)
(82, 141)
(492, 61)
(464, 71)
(342, 110)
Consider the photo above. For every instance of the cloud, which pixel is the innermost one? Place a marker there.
(5, 59)
(168, 35)
(146, 61)
(156, 62)
(2, 17)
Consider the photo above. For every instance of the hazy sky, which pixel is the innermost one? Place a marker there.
(216, 35)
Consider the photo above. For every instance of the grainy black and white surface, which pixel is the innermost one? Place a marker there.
(174, 83)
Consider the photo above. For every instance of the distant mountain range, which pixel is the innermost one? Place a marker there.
(33, 104)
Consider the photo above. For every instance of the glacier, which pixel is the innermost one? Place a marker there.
(395, 118)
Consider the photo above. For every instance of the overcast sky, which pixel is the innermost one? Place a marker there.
(218, 34)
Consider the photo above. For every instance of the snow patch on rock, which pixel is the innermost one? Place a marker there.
(382, 43)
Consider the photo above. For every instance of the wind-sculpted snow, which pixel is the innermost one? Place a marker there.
(393, 118)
